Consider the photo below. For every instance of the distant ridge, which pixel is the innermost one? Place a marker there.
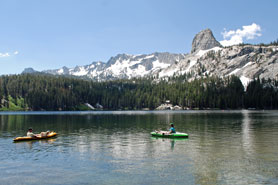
(207, 58)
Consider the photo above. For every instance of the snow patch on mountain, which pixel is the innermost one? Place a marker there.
(192, 63)
(159, 65)
(202, 52)
(60, 71)
(151, 56)
(92, 66)
(238, 69)
(245, 81)
(80, 71)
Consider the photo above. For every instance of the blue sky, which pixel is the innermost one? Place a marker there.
(49, 34)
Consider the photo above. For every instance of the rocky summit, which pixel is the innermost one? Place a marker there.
(204, 40)
(28, 70)
(207, 58)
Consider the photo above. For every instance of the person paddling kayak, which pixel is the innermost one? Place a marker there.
(170, 134)
(32, 136)
(30, 133)
(172, 129)
(41, 135)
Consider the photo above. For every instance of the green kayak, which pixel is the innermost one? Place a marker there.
(166, 134)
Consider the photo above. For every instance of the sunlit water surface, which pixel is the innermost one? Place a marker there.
(224, 147)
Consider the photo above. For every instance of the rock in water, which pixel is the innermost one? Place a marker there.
(204, 40)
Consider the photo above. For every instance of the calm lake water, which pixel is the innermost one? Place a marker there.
(224, 147)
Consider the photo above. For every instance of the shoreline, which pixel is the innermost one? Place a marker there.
(128, 112)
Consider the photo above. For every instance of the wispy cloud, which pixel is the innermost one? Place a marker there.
(2, 55)
(248, 32)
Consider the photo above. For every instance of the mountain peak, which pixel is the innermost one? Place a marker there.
(204, 40)
(29, 70)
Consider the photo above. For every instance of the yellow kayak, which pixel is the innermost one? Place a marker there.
(25, 138)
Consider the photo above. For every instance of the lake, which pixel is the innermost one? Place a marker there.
(115, 147)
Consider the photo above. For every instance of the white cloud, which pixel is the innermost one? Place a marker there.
(4, 54)
(248, 32)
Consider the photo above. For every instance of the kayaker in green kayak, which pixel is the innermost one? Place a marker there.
(170, 134)
(172, 129)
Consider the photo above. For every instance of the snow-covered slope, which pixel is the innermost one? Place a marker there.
(247, 62)
(207, 58)
(123, 66)
(92, 70)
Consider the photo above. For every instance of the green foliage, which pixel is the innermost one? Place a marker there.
(275, 43)
(14, 104)
(82, 107)
(45, 92)
(261, 94)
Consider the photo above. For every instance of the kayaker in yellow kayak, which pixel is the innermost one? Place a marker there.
(31, 134)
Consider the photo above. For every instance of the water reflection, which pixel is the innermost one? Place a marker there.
(237, 147)
(247, 139)
(172, 141)
(29, 144)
